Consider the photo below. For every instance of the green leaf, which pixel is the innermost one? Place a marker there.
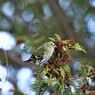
(64, 48)
(65, 41)
(67, 68)
(78, 47)
(62, 72)
(45, 70)
(49, 81)
(61, 88)
(58, 37)
(56, 71)
(51, 39)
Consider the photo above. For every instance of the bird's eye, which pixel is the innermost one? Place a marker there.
(52, 44)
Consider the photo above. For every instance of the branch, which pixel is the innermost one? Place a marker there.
(14, 58)
(64, 21)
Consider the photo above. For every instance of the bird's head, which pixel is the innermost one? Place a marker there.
(50, 44)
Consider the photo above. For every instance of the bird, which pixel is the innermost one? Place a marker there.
(43, 53)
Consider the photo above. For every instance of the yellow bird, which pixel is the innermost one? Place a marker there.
(43, 53)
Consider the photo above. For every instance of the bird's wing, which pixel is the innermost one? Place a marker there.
(40, 51)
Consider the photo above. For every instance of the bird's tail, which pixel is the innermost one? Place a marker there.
(32, 58)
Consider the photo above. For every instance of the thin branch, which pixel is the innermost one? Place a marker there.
(16, 59)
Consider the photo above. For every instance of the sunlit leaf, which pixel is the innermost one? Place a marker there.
(64, 49)
(62, 71)
(58, 37)
(51, 39)
(67, 68)
(78, 47)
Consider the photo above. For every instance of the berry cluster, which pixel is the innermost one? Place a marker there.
(71, 42)
(87, 88)
(58, 62)
(60, 59)
(60, 45)
(55, 64)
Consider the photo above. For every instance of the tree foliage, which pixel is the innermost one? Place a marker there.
(31, 22)
(56, 74)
